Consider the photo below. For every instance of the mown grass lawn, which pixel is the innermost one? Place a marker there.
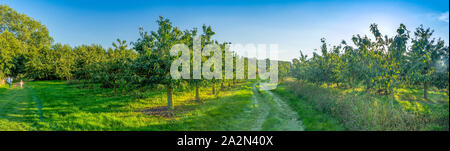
(55, 105)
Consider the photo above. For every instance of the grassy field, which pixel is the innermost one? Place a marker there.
(62, 106)
(54, 105)
(357, 109)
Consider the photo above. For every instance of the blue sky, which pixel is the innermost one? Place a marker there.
(293, 25)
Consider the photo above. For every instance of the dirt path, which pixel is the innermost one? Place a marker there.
(274, 113)
(289, 119)
(262, 109)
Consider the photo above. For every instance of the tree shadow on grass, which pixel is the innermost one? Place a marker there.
(210, 115)
(417, 95)
(16, 107)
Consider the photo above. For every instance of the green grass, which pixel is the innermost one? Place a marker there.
(357, 109)
(16, 111)
(73, 106)
(273, 113)
(313, 119)
(55, 105)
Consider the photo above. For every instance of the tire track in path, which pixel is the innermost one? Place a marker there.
(289, 118)
(262, 109)
(274, 113)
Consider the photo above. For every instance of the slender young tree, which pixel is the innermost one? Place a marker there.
(424, 54)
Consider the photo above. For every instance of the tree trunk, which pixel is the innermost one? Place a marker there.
(221, 86)
(169, 97)
(229, 84)
(197, 95)
(425, 90)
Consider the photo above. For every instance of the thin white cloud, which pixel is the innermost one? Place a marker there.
(444, 17)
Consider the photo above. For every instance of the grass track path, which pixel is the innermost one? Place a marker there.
(289, 119)
(274, 113)
(18, 110)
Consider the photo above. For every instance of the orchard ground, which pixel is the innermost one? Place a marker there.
(62, 106)
(56, 105)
